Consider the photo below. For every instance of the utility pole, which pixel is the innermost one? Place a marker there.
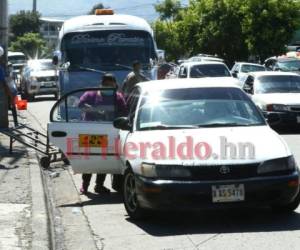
(3, 43)
(34, 6)
(3, 24)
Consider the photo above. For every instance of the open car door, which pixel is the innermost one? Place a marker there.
(81, 126)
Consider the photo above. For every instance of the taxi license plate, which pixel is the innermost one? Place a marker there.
(298, 119)
(94, 141)
(228, 193)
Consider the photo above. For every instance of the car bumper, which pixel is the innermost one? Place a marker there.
(190, 195)
(283, 118)
(38, 90)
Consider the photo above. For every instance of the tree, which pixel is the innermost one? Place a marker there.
(214, 27)
(269, 26)
(96, 6)
(24, 22)
(167, 38)
(168, 9)
(31, 44)
(232, 29)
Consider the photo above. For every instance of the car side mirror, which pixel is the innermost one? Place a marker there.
(248, 89)
(234, 74)
(122, 123)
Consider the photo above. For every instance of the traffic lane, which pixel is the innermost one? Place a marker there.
(177, 230)
(292, 137)
(40, 109)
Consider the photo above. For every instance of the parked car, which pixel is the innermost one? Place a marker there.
(18, 61)
(285, 64)
(240, 70)
(278, 96)
(203, 69)
(39, 77)
(158, 150)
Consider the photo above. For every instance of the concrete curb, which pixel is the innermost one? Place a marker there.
(40, 220)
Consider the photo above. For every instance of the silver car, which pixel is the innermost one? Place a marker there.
(39, 77)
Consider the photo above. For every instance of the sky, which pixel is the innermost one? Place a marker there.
(68, 8)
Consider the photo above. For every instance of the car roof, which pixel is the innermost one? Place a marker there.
(13, 53)
(202, 63)
(283, 59)
(272, 73)
(205, 82)
(248, 63)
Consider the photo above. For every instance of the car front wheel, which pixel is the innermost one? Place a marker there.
(130, 197)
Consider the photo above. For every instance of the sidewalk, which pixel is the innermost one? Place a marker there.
(23, 214)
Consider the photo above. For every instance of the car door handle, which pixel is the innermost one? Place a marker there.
(59, 134)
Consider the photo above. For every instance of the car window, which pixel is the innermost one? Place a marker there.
(289, 65)
(252, 68)
(183, 72)
(278, 84)
(86, 106)
(197, 107)
(211, 70)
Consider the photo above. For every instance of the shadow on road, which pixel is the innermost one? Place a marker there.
(234, 221)
(98, 199)
(44, 99)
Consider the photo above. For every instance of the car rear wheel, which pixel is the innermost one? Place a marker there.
(130, 197)
(288, 208)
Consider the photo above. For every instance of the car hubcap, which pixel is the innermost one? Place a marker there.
(130, 194)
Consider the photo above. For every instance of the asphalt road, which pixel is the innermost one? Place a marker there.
(234, 229)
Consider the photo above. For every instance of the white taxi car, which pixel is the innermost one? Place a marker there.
(185, 144)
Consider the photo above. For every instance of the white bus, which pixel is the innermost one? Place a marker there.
(92, 45)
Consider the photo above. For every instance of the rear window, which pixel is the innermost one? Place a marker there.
(210, 70)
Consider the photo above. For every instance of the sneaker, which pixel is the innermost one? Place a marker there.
(101, 190)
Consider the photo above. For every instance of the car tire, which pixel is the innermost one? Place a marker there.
(129, 196)
(287, 208)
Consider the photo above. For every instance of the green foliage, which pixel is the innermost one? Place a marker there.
(31, 44)
(24, 22)
(96, 6)
(168, 9)
(232, 29)
(167, 38)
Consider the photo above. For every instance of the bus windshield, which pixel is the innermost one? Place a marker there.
(108, 48)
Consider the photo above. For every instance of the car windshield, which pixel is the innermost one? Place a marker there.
(17, 59)
(211, 70)
(197, 107)
(40, 66)
(293, 65)
(252, 68)
(106, 48)
(278, 84)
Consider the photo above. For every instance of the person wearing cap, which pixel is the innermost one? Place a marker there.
(5, 94)
(89, 102)
(133, 78)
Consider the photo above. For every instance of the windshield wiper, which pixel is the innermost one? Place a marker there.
(86, 69)
(165, 127)
(222, 124)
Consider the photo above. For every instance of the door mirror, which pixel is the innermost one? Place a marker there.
(234, 74)
(122, 123)
(248, 89)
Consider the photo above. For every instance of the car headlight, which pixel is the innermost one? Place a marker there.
(277, 107)
(148, 170)
(280, 164)
(164, 171)
(33, 79)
